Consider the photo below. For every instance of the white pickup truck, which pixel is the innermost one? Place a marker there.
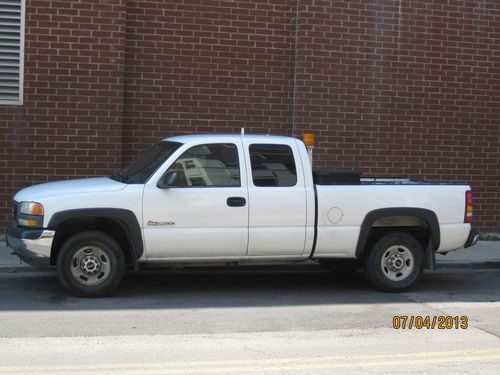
(231, 199)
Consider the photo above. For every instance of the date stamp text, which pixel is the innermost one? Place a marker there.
(430, 322)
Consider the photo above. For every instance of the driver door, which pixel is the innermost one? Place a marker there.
(205, 213)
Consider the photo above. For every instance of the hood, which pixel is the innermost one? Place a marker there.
(69, 187)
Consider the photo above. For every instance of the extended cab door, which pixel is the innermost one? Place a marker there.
(204, 212)
(277, 197)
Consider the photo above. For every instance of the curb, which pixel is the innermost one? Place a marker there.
(486, 265)
(19, 269)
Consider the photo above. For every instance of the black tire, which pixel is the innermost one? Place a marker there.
(90, 264)
(389, 252)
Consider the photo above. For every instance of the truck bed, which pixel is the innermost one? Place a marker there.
(342, 210)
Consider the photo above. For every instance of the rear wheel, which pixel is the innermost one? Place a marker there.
(395, 263)
(90, 264)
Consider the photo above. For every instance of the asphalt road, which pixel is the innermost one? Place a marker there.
(259, 322)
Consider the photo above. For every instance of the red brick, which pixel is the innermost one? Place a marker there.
(388, 89)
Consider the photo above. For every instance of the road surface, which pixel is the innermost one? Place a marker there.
(264, 321)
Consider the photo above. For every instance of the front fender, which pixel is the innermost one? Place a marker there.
(126, 218)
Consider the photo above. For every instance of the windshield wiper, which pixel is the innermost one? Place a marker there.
(120, 176)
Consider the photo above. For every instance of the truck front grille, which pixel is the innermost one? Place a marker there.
(15, 209)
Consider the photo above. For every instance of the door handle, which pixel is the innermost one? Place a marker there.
(236, 201)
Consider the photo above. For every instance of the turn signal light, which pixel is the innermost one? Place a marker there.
(28, 223)
(468, 207)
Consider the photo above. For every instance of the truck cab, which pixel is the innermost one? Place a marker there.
(239, 196)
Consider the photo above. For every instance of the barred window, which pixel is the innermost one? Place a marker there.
(11, 51)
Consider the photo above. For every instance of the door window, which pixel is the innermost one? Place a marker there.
(209, 165)
(272, 165)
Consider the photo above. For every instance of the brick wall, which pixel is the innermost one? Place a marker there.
(71, 122)
(389, 87)
(207, 66)
(405, 88)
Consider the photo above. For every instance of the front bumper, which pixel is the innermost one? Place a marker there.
(473, 238)
(33, 246)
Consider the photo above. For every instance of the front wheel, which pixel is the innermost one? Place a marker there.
(90, 264)
(395, 263)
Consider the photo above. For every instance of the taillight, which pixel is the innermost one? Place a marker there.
(468, 207)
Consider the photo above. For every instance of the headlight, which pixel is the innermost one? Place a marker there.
(31, 208)
(30, 215)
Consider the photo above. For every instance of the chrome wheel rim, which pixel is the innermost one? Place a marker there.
(397, 263)
(90, 265)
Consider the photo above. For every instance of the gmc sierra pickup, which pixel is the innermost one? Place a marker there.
(231, 199)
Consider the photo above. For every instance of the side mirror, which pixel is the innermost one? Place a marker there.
(171, 179)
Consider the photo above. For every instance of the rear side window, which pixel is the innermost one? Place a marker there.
(214, 165)
(272, 165)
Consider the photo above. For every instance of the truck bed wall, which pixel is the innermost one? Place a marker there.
(341, 210)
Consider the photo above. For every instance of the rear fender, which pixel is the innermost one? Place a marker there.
(429, 217)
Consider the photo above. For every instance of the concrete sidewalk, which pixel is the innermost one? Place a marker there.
(486, 254)
(10, 262)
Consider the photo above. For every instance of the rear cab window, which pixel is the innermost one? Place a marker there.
(272, 165)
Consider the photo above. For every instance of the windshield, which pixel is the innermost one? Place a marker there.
(141, 169)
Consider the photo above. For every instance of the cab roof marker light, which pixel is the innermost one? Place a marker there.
(308, 139)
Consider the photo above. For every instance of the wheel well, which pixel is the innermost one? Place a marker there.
(420, 233)
(111, 227)
(421, 223)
